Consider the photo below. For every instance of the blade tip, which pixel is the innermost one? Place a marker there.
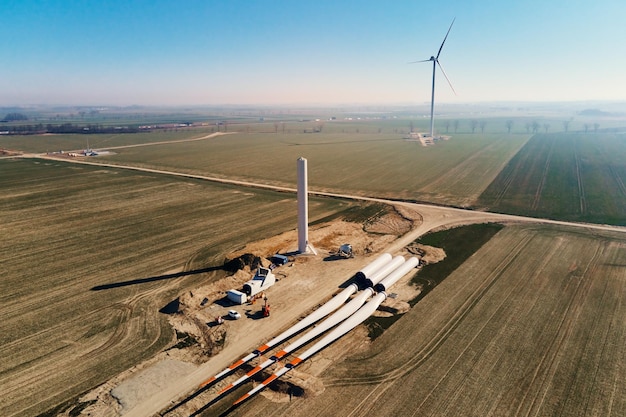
(242, 399)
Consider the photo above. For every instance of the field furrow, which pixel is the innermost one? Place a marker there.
(68, 230)
(563, 176)
(543, 338)
(543, 179)
(581, 187)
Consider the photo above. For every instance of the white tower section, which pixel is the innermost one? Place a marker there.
(303, 208)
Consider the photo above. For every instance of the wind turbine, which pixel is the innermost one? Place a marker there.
(435, 60)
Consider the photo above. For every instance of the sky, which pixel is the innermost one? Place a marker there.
(262, 52)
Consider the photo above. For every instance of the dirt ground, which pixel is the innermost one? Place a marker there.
(303, 284)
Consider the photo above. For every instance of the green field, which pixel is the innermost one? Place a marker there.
(56, 143)
(564, 176)
(453, 172)
(67, 229)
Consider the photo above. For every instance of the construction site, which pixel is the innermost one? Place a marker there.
(275, 290)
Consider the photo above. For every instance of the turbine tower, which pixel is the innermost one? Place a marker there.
(435, 60)
(303, 209)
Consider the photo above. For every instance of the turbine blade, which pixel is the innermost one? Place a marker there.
(448, 79)
(415, 62)
(444, 39)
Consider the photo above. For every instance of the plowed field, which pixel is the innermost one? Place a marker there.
(88, 255)
(531, 325)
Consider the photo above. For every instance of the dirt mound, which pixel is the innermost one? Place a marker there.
(246, 260)
(393, 223)
(427, 254)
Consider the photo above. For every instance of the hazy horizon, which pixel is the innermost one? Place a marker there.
(281, 53)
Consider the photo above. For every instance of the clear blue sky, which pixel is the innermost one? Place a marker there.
(123, 52)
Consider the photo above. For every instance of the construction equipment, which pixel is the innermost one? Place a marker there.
(345, 251)
(266, 309)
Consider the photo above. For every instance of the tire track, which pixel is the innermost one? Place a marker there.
(436, 342)
(581, 188)
(615, 174)
(478, 333)
(544, 175)
(618, 179)
(510, 177)
(123, 327)
(551, 357)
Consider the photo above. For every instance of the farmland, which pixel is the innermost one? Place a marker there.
(454, 172)
(68, 229)
(531, 324)
(366, 157)
(563, 176)
(528, 325)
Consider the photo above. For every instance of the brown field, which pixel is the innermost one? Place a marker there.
(67, 229)
(531, 325)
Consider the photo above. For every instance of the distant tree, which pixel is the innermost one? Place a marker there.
(411, 126)
(482, 126)
(447, 125)
(546, 126)
(596, 126)
(509, 125)
(566, 125)
(14, 117)
(535, 127)
(473, 124)
(456, 125)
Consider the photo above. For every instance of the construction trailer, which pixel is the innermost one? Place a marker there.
(237, 297)
(279, 260)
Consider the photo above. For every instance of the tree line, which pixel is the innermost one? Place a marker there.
(38, 129)
(533, 126)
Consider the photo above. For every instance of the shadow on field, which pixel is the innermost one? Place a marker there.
(153, 279)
